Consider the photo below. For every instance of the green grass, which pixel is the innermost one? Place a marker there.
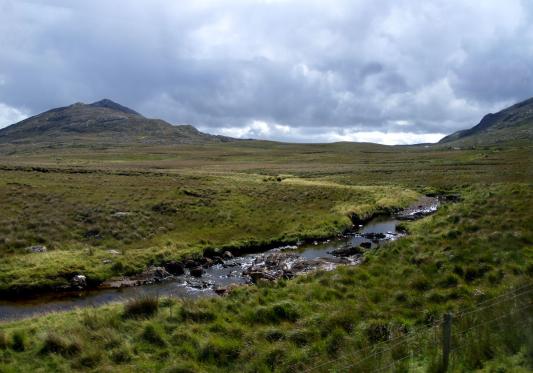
(160, 217)
(466, 253)
(450, 261)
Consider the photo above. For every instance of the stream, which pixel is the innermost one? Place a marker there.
(280, 262)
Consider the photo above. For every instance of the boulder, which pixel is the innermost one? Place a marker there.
(175, 268)
(158, 273)
(221, 290)
(366, 245)
(227, 255)
(151, 275)
(346, 251)
(374, 236)
(189, 263)
(197, 271)
(79, 281)
(261, 274)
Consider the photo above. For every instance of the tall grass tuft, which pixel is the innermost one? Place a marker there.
(53, 343)
(153, 336)
(18, 341)
(143, 307)
(3, 341)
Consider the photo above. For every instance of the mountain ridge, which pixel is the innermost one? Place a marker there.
(512, 123)
(103, 121)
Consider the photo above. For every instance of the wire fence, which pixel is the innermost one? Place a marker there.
(475, 334)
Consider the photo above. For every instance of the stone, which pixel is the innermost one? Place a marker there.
(227, 255)
(79, 281)
(189, 263)
(221, 290)
(374, 236)
(159, 272)
(175, 268)
(197, 271)
(150, 275)
(36, 249)
(346, 251)
(257, 275)
(366, 245)
(121, 214)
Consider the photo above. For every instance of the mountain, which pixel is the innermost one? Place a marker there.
(104, 122)
(514, 123)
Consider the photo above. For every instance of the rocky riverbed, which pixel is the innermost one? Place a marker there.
(216, 273)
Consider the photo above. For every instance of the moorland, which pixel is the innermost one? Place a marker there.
(155, 203)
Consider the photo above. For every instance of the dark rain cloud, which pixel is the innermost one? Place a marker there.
(388, 71)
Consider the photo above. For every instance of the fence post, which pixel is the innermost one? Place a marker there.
(446, 340)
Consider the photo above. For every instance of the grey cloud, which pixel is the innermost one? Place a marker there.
(319, 68)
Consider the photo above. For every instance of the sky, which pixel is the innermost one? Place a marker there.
(385, 71)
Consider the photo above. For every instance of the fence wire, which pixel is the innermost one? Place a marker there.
(429, 337)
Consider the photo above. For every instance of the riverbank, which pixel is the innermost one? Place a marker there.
(217, 273)
(65, 231)
(465, 253)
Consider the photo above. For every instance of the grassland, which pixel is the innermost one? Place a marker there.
(152, 218)
(226, 195)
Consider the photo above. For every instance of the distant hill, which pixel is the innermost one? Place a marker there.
(514, 123)
(103, 122)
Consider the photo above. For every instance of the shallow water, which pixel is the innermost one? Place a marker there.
(219, 275)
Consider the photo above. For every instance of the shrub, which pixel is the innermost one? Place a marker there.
(143, 307)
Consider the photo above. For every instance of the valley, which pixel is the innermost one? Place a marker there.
(78, 218)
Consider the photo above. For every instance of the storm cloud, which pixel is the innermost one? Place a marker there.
(398, 71)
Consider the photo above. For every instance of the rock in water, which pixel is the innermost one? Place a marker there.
(197, 271)
(346, 251)
(79, 281)
(175, 268)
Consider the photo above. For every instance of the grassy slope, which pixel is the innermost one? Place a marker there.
(465, 253)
